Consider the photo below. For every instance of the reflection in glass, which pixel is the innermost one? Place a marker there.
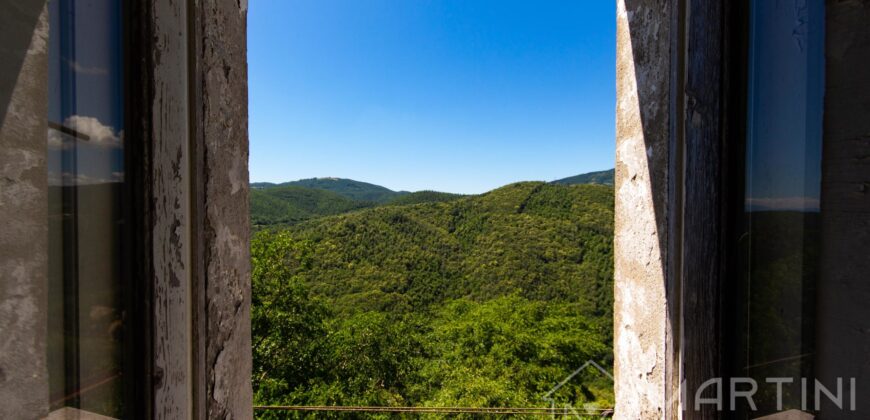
(780, 232)
(85, 173)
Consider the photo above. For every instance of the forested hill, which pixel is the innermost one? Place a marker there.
(295, 201)
(600, 177)
(292, 202)
(288, 204)
(354, 190)
(541, 241)
(486, 300)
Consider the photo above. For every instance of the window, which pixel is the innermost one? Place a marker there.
(90, 284)
(789, 299)
(122, 301)
(434, 212)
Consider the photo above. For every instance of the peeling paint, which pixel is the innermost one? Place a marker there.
(170, 214)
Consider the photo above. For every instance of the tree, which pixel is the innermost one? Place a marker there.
(287, 324)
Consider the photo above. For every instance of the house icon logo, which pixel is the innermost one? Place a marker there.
(588, 409)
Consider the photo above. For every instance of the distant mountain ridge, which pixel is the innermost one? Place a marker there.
(420, 197)
(364, 191)
(599, 177)
(288, 204)
(292, 202)
(349, 188)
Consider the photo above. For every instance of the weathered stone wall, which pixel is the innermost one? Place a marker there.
(224, 73)
(641, 325)
(23, 209)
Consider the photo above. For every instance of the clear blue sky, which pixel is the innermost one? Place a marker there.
(461, 96)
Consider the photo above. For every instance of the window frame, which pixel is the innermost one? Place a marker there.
(706, 145)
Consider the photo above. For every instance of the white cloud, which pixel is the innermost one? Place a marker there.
(98, 134)
(55, 139)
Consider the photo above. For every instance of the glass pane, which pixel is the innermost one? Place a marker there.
(86, 175)
(778, 260)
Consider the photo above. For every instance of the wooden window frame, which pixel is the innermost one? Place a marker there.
(177, 187)
(706, 152)
(186, 162)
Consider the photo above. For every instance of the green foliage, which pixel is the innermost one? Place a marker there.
(509, 352)
(485, 300)
(420, 197)
(348, 188)
(286, 323)
(600, 177)
(292, 204)
(548, 242)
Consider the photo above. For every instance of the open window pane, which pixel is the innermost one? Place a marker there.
(434, 213)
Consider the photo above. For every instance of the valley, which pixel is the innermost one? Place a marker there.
(367, 296)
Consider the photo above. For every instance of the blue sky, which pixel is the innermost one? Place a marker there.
(461, 96)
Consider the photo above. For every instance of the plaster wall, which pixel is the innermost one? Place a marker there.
(224, 112)
(23, 209)
(641, 331)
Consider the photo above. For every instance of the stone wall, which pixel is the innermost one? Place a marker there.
(641, 326)
(23, 209)
(224, 112)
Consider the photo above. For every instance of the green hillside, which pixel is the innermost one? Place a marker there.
(516, 238)
(420, 197)
(600, 177)
(261, 185)
(295, 201)
(291, 204)
(354, 190)
(486, 300)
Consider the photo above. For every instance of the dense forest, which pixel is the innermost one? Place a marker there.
(600, 177)
(431, 299)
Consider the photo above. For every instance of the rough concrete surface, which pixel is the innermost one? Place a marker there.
(23, 210)
(641, 313)
(223, 67)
